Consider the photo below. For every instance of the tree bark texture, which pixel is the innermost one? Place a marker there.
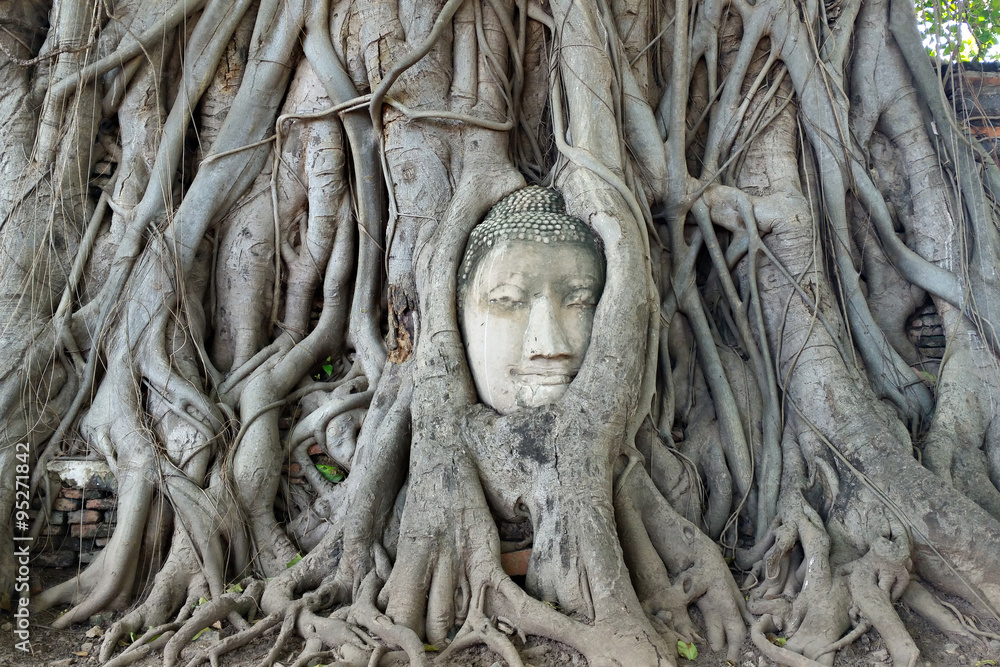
(231, 234)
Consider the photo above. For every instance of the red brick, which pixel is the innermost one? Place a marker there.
(77, 494)
(83, 516)
(315, 449)
(88, 530)
(54, 530)
(65, 505)
(101, 504)
(515, 562)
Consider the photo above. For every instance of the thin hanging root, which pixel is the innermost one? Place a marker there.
(968, 623)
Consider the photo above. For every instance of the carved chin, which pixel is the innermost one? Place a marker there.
(532, 396)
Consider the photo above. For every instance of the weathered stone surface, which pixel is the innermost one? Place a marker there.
(83, 473)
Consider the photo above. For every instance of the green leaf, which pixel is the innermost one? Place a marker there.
(295, 559)
(201, 601)
(332, 473)
(235, 588)
(200, 633)
(981, 663)
(686, 650)
(431, 647)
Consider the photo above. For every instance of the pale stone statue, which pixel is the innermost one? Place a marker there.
(528, 285)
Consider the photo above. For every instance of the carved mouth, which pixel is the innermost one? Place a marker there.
(544, 379)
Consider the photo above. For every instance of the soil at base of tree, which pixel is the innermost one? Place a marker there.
(65, 648)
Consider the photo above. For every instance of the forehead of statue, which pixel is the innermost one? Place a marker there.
(526, 262)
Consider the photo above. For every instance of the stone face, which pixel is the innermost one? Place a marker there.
(529, 282)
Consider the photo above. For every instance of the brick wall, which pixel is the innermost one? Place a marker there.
(974, 90)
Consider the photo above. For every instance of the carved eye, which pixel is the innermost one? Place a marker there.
(506, 302)
(506, 297)
(580, 298)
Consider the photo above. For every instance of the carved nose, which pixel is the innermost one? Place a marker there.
(544, 336)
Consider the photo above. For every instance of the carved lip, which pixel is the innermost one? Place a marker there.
(544, 378)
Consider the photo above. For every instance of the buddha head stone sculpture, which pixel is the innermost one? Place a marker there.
(527, 288)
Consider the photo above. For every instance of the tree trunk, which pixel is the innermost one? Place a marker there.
(234, 233)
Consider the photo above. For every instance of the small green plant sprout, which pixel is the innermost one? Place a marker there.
(687, 650)
(332, 473)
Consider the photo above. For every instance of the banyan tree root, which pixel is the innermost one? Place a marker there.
(267, 281)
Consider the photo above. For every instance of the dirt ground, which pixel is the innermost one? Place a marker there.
(63, 648)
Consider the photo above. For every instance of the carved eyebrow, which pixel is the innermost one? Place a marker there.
(506, 288)
(587, 281)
